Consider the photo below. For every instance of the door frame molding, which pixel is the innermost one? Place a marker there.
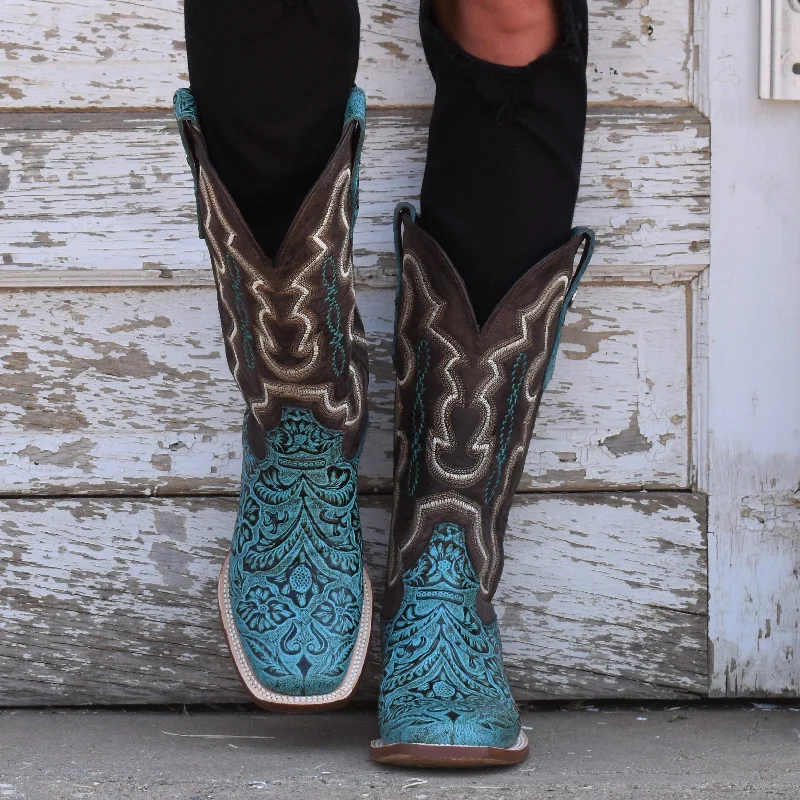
(754, 363)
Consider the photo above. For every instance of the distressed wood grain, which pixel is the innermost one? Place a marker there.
(754, 553)
(574, 563)
(113, 192)
(128, 391)
(113, 601)
(131, 53)
(754, 373)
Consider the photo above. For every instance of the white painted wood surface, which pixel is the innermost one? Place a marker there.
(604, 596)
(131, 53)
(698, 379)
(754, 331)
(108, 390)
(128, 392)
(110, 192)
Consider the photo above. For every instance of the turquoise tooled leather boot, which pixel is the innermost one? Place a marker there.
(465, 406)
(294, 598)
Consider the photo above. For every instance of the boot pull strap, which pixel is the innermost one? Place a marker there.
(356, 111)
(587, 239)
(185, 109)
(401, 210)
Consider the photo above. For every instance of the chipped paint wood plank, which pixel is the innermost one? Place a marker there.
(754, 373)
(698, 379)
(128, 391)
(603, 596)
(126, 53)
(107, 191)
(572, 566)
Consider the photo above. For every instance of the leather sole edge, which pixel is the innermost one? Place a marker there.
(448, 756)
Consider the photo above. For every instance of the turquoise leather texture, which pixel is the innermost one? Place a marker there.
(295, 574)
(443, 678)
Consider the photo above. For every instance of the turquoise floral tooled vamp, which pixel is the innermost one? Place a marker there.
(443, 680)
(295, 569)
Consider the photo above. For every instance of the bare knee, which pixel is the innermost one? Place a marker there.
(510, 32)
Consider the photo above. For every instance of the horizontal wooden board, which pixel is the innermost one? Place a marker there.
(131, 53)
(128, 391)
(113, 192)
(113, 601)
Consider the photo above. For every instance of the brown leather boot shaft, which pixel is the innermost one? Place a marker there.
(292, 331)
(466, 402)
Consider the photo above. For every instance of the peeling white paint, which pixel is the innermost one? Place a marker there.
(128, 391)
(71, 203)
(123, 609)
(754, 371)
(131, 54)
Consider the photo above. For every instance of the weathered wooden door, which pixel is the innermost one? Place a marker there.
(754, 366)
(119, 438)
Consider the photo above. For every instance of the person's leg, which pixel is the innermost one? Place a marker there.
(506, 135)
(273, 130)
(271, 80)
(497, 203)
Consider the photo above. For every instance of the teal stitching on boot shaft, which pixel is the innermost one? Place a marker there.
(507, 427)
(443, 677)
(296, 572)
(248, 345)
(333, 320)
(418, 414)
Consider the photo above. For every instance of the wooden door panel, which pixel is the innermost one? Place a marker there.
(127, 54)
(109, 192)
(603, 596)
(128, 392)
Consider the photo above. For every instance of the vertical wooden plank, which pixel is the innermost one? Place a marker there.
(698, 381)
(754, 412)
(699, 54)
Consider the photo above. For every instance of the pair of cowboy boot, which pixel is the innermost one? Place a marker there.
(294, 597)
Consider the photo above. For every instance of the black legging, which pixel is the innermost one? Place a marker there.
(271, 79)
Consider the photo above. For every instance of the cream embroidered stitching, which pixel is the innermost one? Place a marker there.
(349, 411)
(492, 566)
(455, 357)
(481, 444)
(464, 509)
